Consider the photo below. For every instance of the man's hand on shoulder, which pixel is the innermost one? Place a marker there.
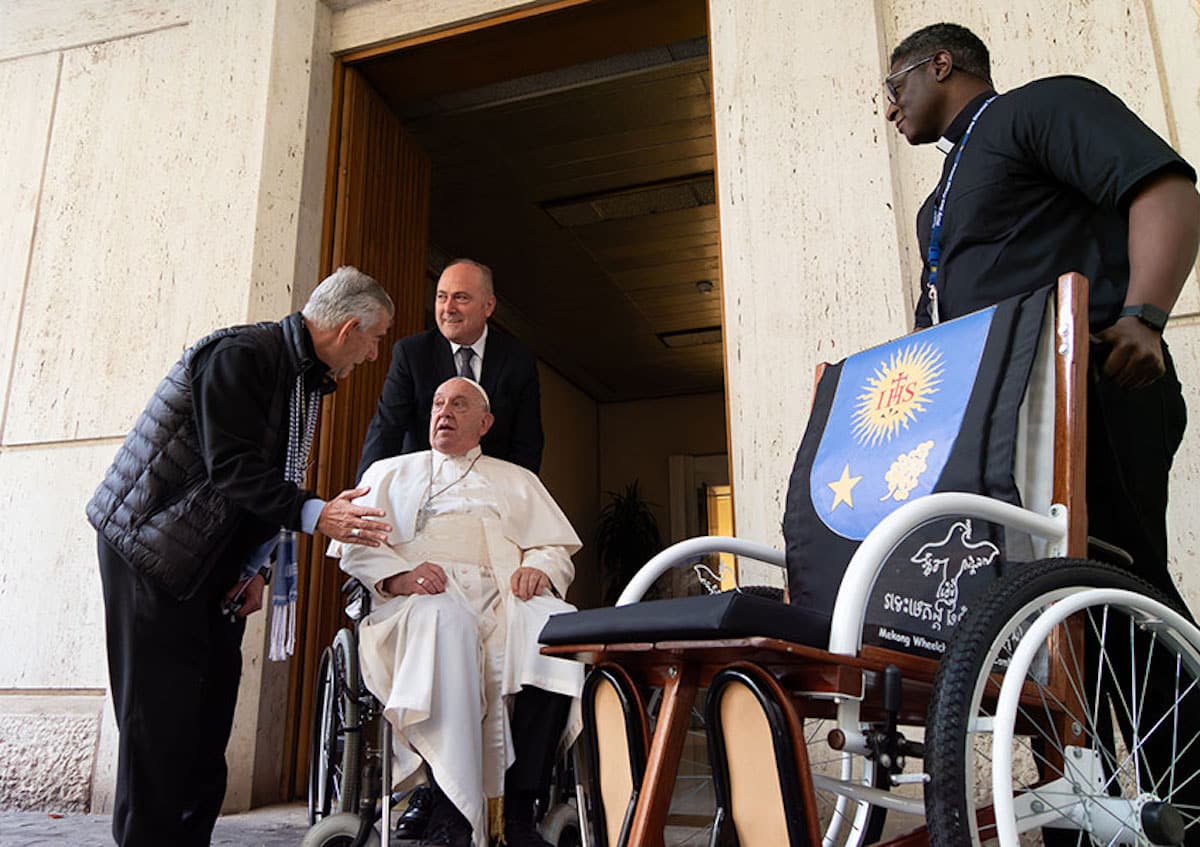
(529, 582)
(1135, 353)
(425, 578)
(343, 521)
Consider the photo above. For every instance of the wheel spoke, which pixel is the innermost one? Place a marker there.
(1118, 690)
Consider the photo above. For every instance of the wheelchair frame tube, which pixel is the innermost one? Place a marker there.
(683, 552)
(850, 608)
(385, 773)
(863, 793)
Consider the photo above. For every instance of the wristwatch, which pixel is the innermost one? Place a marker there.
(1150, 315)
(265, 573)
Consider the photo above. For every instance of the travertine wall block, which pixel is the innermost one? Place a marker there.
(38, 27)
(27, 89)
(48, 752)
(145, 233)
(50, 599)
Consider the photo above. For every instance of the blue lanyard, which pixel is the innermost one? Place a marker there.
(934, 255)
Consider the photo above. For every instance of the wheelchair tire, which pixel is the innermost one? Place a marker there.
(560, 826)
(320, 788)
(334, 766)
(569, 837)
(959, 796)
(338, 830)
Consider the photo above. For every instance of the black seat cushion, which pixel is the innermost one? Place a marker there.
(730, 614)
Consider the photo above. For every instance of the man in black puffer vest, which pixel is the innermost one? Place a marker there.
(187, 516)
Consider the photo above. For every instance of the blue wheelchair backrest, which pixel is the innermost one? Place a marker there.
(934, 411)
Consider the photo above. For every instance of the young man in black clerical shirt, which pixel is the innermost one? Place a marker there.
(1059, 175)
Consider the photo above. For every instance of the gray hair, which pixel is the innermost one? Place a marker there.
(489, 289)
(345, 294)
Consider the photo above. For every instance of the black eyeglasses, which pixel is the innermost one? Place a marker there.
(889, 86)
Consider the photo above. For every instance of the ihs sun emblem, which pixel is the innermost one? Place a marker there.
(900, 389)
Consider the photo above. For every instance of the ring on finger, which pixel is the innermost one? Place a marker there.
(354, 532)
(420, 580)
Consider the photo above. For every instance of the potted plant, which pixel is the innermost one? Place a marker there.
(626, 537)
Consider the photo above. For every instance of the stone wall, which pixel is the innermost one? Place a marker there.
(159, 179)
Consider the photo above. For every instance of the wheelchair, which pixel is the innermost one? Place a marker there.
(350, 801)
(1053, 703)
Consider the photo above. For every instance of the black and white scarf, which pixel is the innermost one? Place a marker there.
(302, 423)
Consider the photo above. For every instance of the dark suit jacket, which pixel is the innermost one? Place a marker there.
(422, 362)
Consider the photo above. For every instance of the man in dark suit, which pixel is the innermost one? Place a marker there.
(462, 345)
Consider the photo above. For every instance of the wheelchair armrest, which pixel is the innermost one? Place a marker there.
(358, 599)
(684, 553)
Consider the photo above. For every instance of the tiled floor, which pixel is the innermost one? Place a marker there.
(272, 826)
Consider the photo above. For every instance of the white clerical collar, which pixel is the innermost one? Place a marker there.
(440, 458)
(945, 145)
(478, 346)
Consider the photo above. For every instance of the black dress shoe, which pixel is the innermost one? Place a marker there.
(415, 819)
(447, 826)
(523, 834)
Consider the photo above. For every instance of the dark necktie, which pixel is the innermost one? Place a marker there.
(464, 355)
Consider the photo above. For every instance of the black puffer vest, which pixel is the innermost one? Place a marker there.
(156, 505)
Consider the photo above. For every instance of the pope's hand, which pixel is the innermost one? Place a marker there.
(529, 582)
(425, 578)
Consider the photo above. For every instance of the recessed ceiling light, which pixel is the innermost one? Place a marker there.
(691, 337)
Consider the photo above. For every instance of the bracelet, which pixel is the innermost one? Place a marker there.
(1147, 313)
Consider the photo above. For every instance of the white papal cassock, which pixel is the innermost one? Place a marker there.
(445, 666)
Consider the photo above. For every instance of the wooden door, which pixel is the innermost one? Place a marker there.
(377, 219)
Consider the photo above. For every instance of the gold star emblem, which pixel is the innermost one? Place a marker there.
(842, 489)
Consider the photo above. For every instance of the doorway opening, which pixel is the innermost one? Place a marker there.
(570, 148)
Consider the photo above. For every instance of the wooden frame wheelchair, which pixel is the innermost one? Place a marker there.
(1039, 722)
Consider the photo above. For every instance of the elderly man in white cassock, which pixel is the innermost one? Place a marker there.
(478, 559)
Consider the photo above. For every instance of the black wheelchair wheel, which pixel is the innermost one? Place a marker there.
(320, 786)
(1085, 709)
(569, 837)
(334, 767)
(349, 771)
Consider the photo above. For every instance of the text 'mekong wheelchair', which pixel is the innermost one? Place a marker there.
(953, 653)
